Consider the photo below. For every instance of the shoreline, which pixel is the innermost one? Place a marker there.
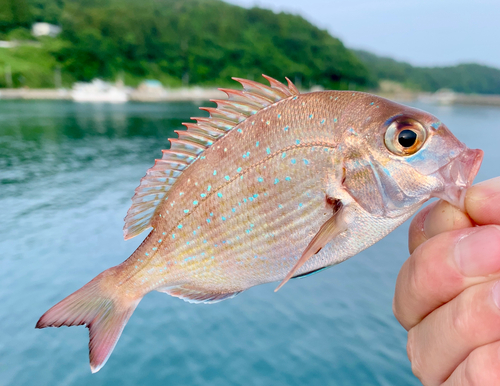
(198, 94)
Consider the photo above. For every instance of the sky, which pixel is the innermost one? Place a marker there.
(420, 32)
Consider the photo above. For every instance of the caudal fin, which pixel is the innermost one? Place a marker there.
(98, 306)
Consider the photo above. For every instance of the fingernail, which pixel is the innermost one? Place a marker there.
(496, 294)
(478, 253)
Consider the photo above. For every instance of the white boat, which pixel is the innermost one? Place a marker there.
(99, 91)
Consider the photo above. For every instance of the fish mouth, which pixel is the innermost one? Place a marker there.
(458, 175)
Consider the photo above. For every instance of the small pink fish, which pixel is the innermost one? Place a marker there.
(273, 185)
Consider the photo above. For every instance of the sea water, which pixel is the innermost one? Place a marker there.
(67, 173)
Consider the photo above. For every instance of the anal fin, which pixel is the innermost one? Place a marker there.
(329, 230)
(194, 295)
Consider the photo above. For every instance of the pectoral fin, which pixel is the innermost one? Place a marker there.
(331, 228)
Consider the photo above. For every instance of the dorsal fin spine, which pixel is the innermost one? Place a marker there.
(292, 87)
(214, 131)
(190, 143)
(244, 108)
(260, 89)
(278, 85)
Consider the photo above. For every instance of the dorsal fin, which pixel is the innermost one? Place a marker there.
(186, 149)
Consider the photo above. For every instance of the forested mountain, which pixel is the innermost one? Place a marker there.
(465, 78)
(205, 41)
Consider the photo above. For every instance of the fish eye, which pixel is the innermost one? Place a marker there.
(405, 136)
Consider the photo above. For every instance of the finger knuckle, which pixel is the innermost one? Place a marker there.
(412, 350)
(460, 314)
(480, 368)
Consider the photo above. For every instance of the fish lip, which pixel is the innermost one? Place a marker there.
(457, 176)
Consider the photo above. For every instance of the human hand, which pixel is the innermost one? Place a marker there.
(448, 292)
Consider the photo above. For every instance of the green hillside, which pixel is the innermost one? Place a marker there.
(465, 78)
(203, 41)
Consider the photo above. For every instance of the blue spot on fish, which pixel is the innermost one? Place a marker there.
(294, 161)
(256, 195)
(223, 218)
(322, 121)
(238, 170)
(227, 178)
(260, 179)
(219, 194)
(300, 204)
(209, 187)
(195, 202)
(173, 236)
(276, 181)
(186, 210)
(215, 172)
(283, 155)
(179, 226)
(234, 210)
(287, 178)
(280, 206)
(306, 162)
(211, 214)
(240, 131)
(203, 195)
(160, 240)
(208, 220)
(257, 144)
(147, 254)
(310, 116)
(268, 151)
(279, 116)
(335, 120)
(286, 128)
(297, 141)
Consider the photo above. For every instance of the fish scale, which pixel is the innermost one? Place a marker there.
(273, 185)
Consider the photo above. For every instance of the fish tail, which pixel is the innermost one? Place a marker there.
(101, 308)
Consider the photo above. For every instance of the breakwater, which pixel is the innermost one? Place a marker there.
(202, 94)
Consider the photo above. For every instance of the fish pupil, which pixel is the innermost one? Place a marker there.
(407, 138)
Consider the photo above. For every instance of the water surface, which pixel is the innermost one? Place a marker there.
(67, 172)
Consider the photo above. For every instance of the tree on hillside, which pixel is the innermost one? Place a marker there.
(14, 14)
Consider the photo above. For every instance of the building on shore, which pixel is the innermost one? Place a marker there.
(45, 29)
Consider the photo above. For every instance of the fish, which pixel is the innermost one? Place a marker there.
(273, 184)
